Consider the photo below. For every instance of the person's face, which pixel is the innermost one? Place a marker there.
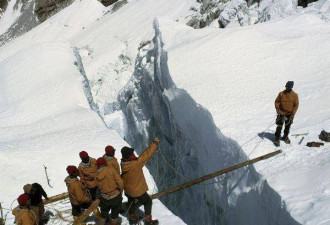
(85, 160)
(111, 154)
(288, 89)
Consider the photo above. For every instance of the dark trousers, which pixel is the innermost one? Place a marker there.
(144, 200)
(113, 204)
(77, 209)
(93, 192)
(280, 121)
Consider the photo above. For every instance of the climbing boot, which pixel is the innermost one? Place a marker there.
(134, 218)
(150, 221)
(286, 139)
(277, 142)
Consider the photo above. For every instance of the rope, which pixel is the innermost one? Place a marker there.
(271, 124)
(166, 161)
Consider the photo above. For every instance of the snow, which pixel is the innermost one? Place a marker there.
(45, 114)
(10, 15)
(85, 56)
(237, 73)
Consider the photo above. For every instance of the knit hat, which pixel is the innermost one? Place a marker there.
(289, 84)
(23, 199)
(100, 162)
(71, 169)
(83, 155)
(126, 152)
(27, 188)
(109, 149)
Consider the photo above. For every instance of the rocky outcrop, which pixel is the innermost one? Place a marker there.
(46, 8)
(108, 2)
(304, 3)
(3, 6)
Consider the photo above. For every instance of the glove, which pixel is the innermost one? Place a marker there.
(290, 120)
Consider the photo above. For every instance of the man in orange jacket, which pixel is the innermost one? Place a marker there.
(23, 214)
(112, 161)
(110, 186)
(286, 105)
(87, 169)
(77, 194)
(135, 184)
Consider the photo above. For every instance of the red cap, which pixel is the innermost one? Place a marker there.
(83, 155)
(23, 199)
(71, 169)
(100, 162)
(109, 149)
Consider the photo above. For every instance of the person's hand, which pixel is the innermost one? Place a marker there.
(47, 198)
(156, 140)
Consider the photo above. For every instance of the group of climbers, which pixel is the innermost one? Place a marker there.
(30, 210)
(101, 179)
(97, 179)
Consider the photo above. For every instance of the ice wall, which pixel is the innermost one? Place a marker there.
(194, 146)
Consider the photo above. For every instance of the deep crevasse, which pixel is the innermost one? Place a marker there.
(154, 106)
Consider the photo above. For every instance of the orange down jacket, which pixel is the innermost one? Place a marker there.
(287, 103)
(135, 183)
(24, 216)
(112, 162)
(87, 173)
(76, 191)
(109, 181)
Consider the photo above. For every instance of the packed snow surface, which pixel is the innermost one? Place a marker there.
(87, 52)
(237, 73)
(46, 117)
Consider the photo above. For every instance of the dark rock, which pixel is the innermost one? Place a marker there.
(3, 5)
(47, 8)
(108, 2)
(304, 3)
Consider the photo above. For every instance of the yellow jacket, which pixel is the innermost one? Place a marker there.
(24, 216)
(76, 191)
(87, 173)
(112, 162)
(287, 103)
(108, 181)
(135, 183)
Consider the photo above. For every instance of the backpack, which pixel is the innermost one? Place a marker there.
(324, 136)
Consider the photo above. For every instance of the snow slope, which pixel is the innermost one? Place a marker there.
(45, 115)
(237, 73)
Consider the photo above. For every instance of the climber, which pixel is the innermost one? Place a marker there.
(286, 105)
(112, 161)
(35, 192)
(87, 169)
(111, 187)
(23, 214)
(78, 196)
(135, 184)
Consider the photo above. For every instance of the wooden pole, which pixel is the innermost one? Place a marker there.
(2, 220)
(88, 211)
(209, 176)
(56, 198)
(186, 185)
